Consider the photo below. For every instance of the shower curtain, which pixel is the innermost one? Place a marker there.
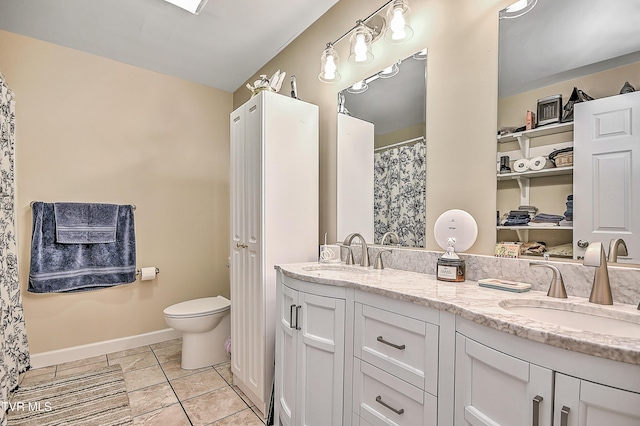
(399, 191)
(14, 354)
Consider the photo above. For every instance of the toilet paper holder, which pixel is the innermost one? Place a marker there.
(139, 271)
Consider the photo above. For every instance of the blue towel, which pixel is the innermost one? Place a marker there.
(84, 223)
(57, 268)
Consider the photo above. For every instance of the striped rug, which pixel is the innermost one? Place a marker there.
(88, 399)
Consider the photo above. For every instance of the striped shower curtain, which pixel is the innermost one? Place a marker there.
(399, 193)
(14, 354)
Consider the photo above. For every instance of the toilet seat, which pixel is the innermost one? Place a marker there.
(198, 307)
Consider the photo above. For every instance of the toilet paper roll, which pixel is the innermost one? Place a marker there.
(148, 273)
(521, 165)
(537, 163)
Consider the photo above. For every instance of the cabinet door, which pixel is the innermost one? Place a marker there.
(492, 388)
(582, 403)
(607, 172)
(286, 343)
(237, 252)
(320, 368)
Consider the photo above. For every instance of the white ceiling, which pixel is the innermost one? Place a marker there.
(561, 40)
(221, 47)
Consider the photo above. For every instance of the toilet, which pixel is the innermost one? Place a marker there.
(205, 325)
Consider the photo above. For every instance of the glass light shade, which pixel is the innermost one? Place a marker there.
(518, 9)
(399, 30)
(389, 71)
(329, 65)
(360, 52)
(358, 87)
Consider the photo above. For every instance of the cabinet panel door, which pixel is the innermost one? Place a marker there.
(320, 360)
(592, 404)
(493, 388)
(287, 339)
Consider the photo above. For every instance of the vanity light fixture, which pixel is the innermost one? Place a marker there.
(390, 71)
(363, 34)
(360, 51)
(518, 9)
(358, 87)
(421, 55)
(399, 29)
(329, 65)
(193, 6)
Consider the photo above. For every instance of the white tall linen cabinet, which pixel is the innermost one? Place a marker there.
(274, 220)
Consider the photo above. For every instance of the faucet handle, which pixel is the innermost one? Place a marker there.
(556, 289)
(378, 262)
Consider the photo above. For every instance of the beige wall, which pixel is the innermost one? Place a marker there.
(90, 129)
(411, 132)
(462, 69)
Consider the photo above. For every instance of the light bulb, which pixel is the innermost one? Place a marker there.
(360, 49)
(357, 85)
(397, 24)
(330, 68)
(517, 6)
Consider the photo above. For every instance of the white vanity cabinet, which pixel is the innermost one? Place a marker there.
(395, 365)
(310, 354)
(274, 154)
(520, 382)
(583, 403)
(493, 388)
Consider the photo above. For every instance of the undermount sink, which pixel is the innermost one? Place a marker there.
(328, 267)
(593, 319)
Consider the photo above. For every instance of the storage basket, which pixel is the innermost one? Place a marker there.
(564, 159)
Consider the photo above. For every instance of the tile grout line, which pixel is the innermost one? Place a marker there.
(171, 386)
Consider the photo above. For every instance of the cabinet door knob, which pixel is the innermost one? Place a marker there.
(536, 409)
(564, 416)
(240, 245)
(384, 404)
(583, 243)
(393, 345)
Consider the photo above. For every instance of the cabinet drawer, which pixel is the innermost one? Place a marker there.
(403, 346)
(382, 399)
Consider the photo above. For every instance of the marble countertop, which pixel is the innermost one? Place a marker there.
(480, 305)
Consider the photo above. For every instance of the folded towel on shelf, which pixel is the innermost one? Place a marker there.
(547, 218)
(57, 268)
(85, 223)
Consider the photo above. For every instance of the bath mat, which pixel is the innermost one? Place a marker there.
(96, 398)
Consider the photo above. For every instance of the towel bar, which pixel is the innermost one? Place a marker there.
(139, 271)
(133, 206)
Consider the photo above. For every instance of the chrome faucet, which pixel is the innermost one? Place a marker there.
(393, 238)
(377, 264)
(601, 290)
(556, 289)
(365, 250)
(617, 246)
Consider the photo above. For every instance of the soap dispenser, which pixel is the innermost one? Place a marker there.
(450, 267)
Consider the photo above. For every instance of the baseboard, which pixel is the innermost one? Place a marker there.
(75, 353)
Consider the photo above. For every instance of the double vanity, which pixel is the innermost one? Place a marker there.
(394, 346)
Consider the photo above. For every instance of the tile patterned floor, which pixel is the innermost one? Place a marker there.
(162, 393)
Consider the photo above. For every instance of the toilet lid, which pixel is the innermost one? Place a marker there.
(198, 307)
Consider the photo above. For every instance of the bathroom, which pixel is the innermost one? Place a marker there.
(93, 129)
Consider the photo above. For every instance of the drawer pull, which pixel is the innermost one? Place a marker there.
(381, 340)
(298, 317)
(384, 404)
(291, 309)
(564, 416)
(536, 410)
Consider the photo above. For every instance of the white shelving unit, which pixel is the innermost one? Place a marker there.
(524, 179)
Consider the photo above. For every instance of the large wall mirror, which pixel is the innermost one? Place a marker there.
(381, 158)
(546, 48)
